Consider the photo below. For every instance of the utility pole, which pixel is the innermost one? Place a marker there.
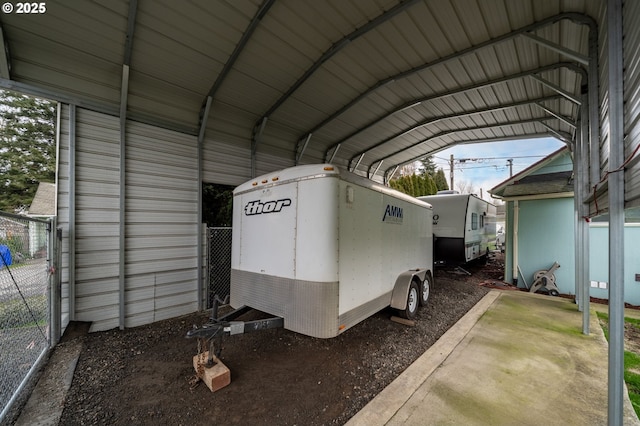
(451, 172)
(510, 163)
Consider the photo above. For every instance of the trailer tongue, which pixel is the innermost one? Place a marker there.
(207, 362)
(210, 335)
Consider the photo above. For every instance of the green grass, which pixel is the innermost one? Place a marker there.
(631, 363)
(14, 313)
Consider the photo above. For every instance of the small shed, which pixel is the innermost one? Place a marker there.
(539, 221)
(540, 230)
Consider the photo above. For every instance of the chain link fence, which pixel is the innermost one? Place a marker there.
(218, 264)
(25, 314)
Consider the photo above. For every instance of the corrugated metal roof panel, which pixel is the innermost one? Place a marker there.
(200, 38)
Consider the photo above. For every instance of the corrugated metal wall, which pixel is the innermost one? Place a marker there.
(62, 177)
(97, 217)
(602, 201)
(226, 151)
(96, 265)
(161, 221)
(161, 224)
(227, 148)
(631, 13)
(632, 102)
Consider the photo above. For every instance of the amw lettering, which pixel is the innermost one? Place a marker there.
(392, 214)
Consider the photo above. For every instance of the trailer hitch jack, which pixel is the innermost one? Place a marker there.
(212, 332)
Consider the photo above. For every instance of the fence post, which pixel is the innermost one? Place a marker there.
(54, 283)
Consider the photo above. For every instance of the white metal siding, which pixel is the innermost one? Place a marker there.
(161, 221)
(227, 146)
(602, 204)
(632, 101)
(97, 218)
(96, 223)
(161, 224)
(62, 188)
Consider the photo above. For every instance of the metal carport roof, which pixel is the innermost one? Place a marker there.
(366, 84)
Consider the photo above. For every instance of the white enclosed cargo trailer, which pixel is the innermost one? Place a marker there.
(464, 225)
(324, 249)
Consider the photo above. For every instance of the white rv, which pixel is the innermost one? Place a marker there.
(463, 227)
(324, 249)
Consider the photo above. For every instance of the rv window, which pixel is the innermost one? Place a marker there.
(481, 221)
(474, 221)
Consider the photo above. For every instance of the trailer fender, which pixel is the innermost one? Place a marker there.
(401, 287)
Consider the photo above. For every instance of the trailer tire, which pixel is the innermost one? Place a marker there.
(413, 302)
(425, 288)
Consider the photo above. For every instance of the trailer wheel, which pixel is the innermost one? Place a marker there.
(425, 288)
(413, 301)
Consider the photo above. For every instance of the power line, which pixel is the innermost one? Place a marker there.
(488, 158)
(490, 166)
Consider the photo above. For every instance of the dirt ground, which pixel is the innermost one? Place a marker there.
(141, 376)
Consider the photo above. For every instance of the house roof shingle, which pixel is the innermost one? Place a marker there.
(43, 203)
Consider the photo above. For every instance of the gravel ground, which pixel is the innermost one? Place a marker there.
(142, 376)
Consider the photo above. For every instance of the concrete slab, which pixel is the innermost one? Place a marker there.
(44, 407)
(516, 358)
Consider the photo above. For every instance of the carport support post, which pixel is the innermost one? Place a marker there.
(616, 212)
(576, 217)
(124, 96)
(123, 195)
(581, 191)
(199, 240)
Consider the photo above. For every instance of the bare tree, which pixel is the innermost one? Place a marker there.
(465, 187)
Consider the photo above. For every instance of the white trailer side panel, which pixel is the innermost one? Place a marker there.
(382, 234)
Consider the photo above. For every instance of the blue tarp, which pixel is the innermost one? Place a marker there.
(6, 256)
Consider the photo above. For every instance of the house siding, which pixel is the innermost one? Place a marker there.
(546, 235)
(599, 261)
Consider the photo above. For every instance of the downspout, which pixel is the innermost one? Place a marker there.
(72, 212)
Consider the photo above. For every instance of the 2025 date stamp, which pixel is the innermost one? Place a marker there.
(24, 8)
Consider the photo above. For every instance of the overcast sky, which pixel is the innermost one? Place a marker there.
(486, 163)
